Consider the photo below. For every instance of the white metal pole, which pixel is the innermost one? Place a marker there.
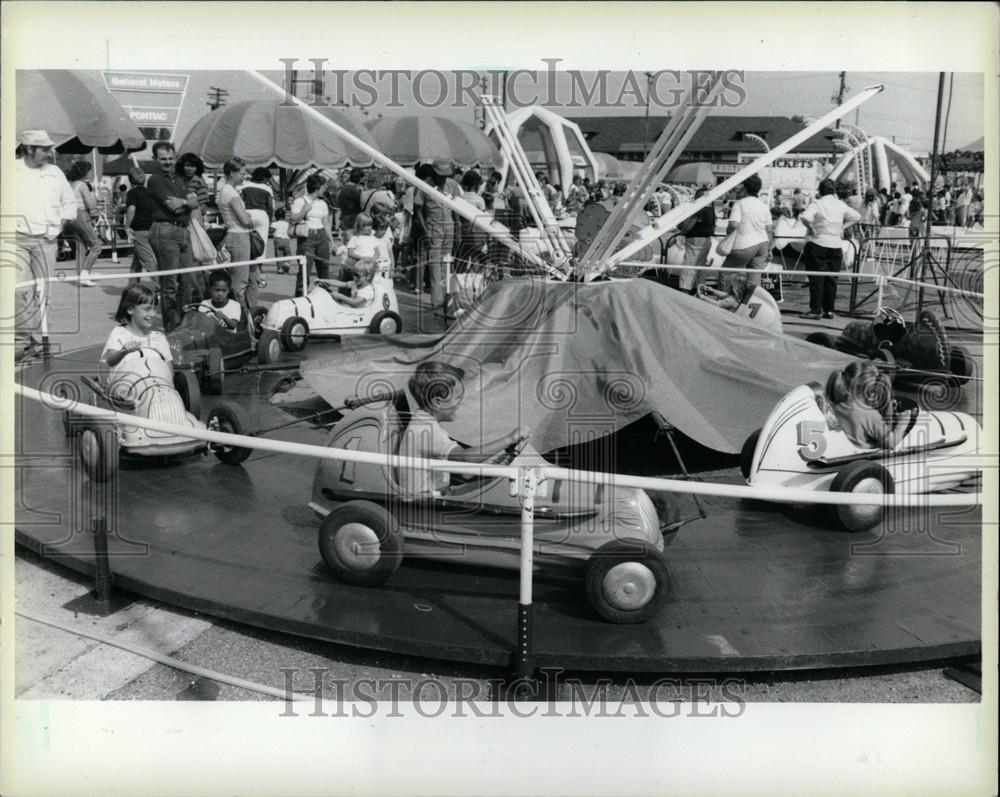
(670, 220)
(524, 658)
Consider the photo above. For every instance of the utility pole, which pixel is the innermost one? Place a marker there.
(839, 99)
(216, 97)
(645, 122)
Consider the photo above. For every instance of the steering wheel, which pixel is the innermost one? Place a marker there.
(140, 351)
(509, 454)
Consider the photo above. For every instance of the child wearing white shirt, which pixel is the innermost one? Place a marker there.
(363, 243)
(227, 311)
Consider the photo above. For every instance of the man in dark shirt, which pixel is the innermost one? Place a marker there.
(138, 220)
(349, 199)
(171, 213)
(698, 231)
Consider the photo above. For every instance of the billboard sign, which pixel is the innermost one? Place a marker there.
(152, 99)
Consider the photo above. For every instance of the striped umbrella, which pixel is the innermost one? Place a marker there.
(262, 132)
(76, 111)
(409, 139)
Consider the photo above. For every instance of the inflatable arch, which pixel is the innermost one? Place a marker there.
(890, 162)
(554, 145)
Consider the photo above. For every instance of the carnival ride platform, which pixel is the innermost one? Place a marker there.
(754, 586)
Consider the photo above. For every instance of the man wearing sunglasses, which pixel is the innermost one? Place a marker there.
(43, 203)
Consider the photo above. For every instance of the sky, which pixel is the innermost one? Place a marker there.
(905, 110)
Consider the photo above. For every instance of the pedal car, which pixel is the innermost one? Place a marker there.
(206, 347)
(802, 446)
(290, 323)
(141, 385)
(916, 355)
(612, 535)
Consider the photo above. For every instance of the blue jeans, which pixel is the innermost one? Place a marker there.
(317, 251)
(173, 250)
(36, 256)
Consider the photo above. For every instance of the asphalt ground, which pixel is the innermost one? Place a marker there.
(57, 663)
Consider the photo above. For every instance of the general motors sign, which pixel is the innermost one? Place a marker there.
(157, 83)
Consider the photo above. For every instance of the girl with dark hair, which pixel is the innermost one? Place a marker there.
(88, 245)
(135, 316)
(190, 168)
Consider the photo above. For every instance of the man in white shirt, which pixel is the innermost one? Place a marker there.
(825, 220)
(43, 202)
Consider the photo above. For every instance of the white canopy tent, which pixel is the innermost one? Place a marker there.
(554, 145)
(891, 164)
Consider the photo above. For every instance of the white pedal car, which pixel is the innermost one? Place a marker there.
(291, 322)
(141, 384)
(802, 446)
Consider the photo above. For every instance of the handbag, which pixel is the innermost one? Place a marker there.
(257, 245)
(202, 249)
(725, 246)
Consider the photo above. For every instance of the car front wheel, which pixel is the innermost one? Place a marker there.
(386, 323)
(294, 334)
(627, 581)
(861, 476)
(228, 418)
(361, 543)
(268, 348)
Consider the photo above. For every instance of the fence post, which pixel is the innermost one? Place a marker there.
(524, 655)
(102, 563)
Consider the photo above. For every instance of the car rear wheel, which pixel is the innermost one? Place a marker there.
(268, 347)
(215, 376)
(98, 447)
(228, 418)
(386, 323)
(361, 543)
(861, 477)
(747, 452)
(627, 581)
(186, 384)
(294, 334)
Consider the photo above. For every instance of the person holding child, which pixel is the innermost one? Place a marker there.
(437, 389)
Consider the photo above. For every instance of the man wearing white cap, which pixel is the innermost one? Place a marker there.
(43, 202)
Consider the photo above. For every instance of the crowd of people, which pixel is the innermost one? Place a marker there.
(181, 216)
(959, 205)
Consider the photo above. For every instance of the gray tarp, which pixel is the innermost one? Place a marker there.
(575, 361)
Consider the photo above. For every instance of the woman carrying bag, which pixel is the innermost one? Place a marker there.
(312, 211)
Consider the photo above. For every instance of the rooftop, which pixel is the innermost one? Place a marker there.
(721, 134)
